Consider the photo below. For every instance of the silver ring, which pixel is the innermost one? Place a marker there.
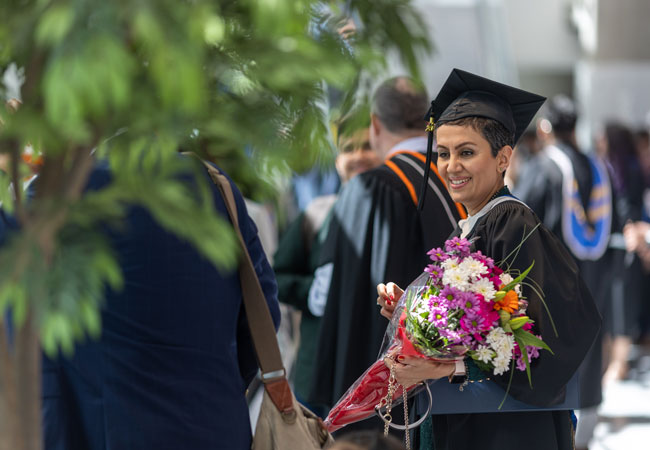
(414, 424)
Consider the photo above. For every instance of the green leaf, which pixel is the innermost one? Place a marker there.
(529, 339)
(56, 333)
(12, 295)
(107, 269)
(244, 83)
(524, 354)
(91, 318)
(518, 280)
(6, 196)
(54, 24)
(512, 371)
(519, 322)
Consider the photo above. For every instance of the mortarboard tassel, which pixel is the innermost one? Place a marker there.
(431, 126)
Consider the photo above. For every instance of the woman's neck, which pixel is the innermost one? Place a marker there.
(499, 191)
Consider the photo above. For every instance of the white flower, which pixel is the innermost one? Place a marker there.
(473, 267)
(449, 264)
(501, 342)
(501, 364)
(484, 287)
(420, 307)
(457, 278)
(507, 278)
(484, 354)
(495, 335)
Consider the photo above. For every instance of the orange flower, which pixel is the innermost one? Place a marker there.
(509, 303)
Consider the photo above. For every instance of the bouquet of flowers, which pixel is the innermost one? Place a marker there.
(463, 305)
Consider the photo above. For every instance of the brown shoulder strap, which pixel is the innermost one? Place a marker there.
(257, 311)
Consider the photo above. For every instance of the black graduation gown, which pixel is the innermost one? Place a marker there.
(294, 263)
(577, 321)
(540, 187)
(376, 235)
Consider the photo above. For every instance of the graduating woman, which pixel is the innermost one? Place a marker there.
(477, 123)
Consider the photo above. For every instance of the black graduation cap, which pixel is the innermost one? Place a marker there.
(467, 95)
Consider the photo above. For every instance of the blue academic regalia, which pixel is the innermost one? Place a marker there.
(175, 357)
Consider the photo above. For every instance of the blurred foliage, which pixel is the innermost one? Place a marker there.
(244, 83)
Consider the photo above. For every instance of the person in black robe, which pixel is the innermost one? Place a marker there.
(374, 219)
(478, 121)
(626, 290)
(542, 187)
(299, 250)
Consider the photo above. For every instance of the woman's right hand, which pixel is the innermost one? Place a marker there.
(410, 370)
(387, 297)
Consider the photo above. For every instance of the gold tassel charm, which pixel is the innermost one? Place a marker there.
(431, 126)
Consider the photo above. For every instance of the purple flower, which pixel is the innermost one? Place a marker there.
(437, 302)
(533, 352)
(469, 302)
(438, 317)
(435, 272)
(472, 323)
(457, 245)
(489, 262)
(453, 336)
(437, 254)
(451, 295)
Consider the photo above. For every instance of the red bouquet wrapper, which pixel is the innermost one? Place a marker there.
(359, 402)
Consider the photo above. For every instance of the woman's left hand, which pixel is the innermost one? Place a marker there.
(411, 370)
(387, 297)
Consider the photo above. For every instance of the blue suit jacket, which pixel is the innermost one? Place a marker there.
(175, 356)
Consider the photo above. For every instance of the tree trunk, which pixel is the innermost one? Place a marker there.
(20, 388)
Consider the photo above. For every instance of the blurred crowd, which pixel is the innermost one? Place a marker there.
(611, 208)
(596, 199)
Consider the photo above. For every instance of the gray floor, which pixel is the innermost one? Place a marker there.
(624, 416)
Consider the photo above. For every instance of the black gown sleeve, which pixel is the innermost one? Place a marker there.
(292, 266)
(376, 235)
(571, 307)
(540, 187)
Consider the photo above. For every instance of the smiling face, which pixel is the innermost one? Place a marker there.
(355, 155)
(465, 161)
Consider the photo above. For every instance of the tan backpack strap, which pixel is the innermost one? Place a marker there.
(260, 322)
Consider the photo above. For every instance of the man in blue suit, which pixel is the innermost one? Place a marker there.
(175, 356)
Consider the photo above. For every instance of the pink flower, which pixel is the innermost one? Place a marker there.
(533, 352)
(437, 302)
(451, 335)
(469, 302)
(452, 295)
(437, 254)
(496, 281)
(438, 317)
(489, 262)
(435, 272)
(473, 324)
(488, 313)
(458, 245)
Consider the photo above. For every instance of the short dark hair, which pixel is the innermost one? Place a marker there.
(561, 112)
(494, 132)
(353, 121)
(400, 103)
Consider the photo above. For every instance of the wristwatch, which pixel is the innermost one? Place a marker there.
(460, 374)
